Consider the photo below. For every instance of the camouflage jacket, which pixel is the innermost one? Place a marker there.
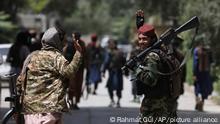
(146, 70)
(45, 86)
(159, 75)
(156, 103)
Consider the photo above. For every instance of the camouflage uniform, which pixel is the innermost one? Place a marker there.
(157, 103)
(45, 72)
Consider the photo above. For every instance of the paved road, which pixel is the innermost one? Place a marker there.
(94, 110)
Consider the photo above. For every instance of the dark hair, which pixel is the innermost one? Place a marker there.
(77, 35)
(113, 41)
(94, 37)
(22, 38)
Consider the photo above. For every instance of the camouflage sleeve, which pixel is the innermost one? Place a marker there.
(67, 69)
(19, 84)
(146, 72)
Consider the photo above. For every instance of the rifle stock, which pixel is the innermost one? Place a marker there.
(192, 23)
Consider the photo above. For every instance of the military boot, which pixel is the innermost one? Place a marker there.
(197, 102)
(200, 106)
(118, 104)
(112, 103)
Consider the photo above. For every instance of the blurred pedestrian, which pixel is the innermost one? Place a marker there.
(113, 62)
(18, 52)
(176, 42)
(1, 59)
(42, 81)
(36, 41)
(94, 59)
(134, 90)
(76, 81)
(202, 60)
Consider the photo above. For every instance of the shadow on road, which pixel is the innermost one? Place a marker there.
(106, 115)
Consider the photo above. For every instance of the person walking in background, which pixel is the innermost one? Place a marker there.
(176, 42)
(94, 59)
(1, 59)
(113, 62)
(134, 90)
(42, 81)
(202, 60)
(36, 41)
(18, 52)
(76, 81)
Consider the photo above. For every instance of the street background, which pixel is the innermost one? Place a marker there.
(114, 19)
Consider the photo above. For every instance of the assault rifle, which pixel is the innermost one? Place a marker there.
(165, 38)
(15, 110)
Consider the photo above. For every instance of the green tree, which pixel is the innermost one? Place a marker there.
(208, 13)
(37, 5)
(11, 7)
(6, 27)
(89, 17)
(63, 7)
(167, 9)
(103, 17)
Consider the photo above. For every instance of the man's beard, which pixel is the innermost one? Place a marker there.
(143, 46)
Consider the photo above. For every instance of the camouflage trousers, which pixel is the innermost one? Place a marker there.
(158, 111)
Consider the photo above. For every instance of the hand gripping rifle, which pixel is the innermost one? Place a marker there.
(165, 38)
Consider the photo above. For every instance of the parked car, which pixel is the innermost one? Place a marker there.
(4, 66)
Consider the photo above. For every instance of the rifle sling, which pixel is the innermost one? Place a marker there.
(172, 72)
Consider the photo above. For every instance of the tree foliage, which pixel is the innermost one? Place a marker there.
(63, 7)
(6, 27)
(103, 17)
(37, 5)
(11, 7)
(208, 13)
(117, 17)
(89, 17)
